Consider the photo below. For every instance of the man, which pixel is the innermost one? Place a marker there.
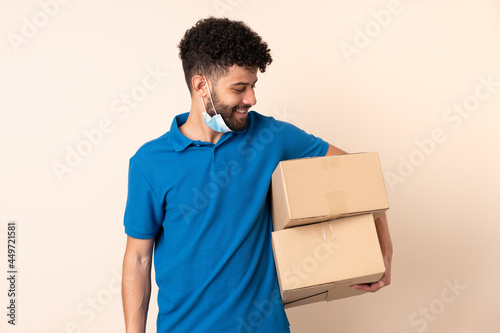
(199, 195)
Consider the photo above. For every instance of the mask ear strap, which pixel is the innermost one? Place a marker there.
(203, 102)
(210, 95)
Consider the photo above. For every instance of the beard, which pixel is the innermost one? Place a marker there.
(227, 113)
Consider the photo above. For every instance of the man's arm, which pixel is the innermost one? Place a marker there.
(384, 238)
(332, 150)
(136, 283)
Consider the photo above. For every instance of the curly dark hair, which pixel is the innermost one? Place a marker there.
(213, 45)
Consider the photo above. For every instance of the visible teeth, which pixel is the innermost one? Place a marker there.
(241, 111)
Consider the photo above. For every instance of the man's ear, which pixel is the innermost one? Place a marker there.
(199, 85)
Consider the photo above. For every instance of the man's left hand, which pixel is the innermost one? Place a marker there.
(384, 281)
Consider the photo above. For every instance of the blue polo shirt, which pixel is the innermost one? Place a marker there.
(207, 205)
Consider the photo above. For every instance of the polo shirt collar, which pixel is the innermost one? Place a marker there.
(181, 142)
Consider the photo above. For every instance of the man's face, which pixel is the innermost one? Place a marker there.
(233, 96)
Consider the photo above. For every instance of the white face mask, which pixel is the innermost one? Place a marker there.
(216, 122)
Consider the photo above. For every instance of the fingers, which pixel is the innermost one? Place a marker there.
(369, 287)
(385, 280)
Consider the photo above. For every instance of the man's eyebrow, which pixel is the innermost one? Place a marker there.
(243, 83)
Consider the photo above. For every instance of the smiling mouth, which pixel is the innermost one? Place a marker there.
(241, 111)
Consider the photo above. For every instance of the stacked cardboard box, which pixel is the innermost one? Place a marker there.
(324, 237)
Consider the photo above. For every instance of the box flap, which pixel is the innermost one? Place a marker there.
(301, 293)
(308, 300)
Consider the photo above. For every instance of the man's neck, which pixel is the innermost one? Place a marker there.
(195, 128)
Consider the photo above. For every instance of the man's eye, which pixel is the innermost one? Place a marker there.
(240, 90)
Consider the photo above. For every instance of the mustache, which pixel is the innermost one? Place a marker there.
(245, 106)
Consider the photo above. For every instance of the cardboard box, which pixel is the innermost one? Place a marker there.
(321, 261)
(332, 294)
(317, 189)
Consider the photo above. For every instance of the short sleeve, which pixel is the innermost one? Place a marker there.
(299, 144)
(143, 211)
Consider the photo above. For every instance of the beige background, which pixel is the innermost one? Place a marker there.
(68, 74)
